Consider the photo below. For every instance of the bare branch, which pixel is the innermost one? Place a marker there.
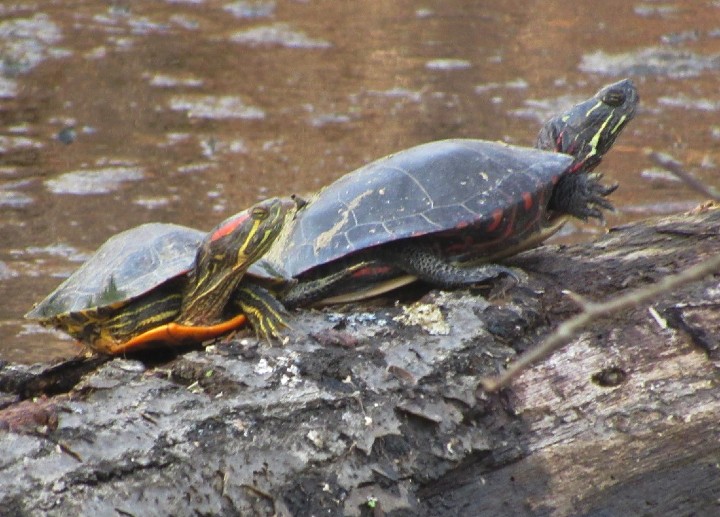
(670, 164)
(593, 311)
(579, 300)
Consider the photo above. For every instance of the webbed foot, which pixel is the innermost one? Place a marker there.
(583, 196)
(265, 314)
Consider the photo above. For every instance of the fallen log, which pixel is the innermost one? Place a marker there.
(377, 409)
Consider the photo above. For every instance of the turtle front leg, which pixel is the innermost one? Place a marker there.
(426, 264)
(266, 315)
(582, 195)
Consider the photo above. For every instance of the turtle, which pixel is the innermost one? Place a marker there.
(446, 211)
(166, 283)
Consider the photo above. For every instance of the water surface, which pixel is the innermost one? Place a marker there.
(186, 111)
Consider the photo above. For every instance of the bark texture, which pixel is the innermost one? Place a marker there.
(376, 410)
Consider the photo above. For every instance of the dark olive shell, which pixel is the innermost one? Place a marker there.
(432, 188)
(127, 266)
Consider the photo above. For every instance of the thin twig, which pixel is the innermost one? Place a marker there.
(670, 164)
(593, 311)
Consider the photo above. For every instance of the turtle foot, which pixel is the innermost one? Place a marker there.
(583, 196)
(265, 314)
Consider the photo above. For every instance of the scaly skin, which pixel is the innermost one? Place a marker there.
(586, 132)
(189, 308)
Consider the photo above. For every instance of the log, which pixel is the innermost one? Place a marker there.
(377, 409)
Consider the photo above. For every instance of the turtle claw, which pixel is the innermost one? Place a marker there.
(265, 314)
(269, 322)
(271, 331)
(596, 194)
(268, 327)
(583, 196)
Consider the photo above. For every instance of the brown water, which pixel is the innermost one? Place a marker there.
(117, 113)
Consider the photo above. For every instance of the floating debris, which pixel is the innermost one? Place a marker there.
(193, 168)
(67, 135)
(9, 143)
(397, 92)
(169, 81)
(542, 109)
(277, 34)
(152, 202)
(650, 61)
(646, 10)
(249, 9)
(26, 42)
(684, 102)
(93, 181)
(6, 272)
(517, 84)
(448, 64)
(214, 107)
(144, 25)
(8, 88)
(12, 199)
(676, 38)
(325, 119)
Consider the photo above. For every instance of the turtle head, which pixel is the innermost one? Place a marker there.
(226, 253)
(588, 130)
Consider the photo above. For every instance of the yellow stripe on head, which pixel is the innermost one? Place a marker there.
(596, 106)
(619, 125)
(596, 137)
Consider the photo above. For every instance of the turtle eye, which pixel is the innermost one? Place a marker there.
(259, 213)
(614, 98)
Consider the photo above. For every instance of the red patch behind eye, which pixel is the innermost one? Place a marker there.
(229, 227)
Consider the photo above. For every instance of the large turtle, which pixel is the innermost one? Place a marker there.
(160, 283)
(443, 211)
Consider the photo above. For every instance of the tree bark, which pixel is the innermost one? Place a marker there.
(377, 409)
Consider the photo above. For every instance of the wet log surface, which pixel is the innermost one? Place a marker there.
(366, 412)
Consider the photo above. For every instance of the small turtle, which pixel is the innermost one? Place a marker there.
(166, 283)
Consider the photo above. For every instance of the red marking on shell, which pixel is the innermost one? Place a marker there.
(229, 226)
(371, 271)
(460, 246)
(527, 200)
(497, 216)
(462, 224)
(511, 228)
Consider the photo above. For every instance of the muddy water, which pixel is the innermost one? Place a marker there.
(117, 113)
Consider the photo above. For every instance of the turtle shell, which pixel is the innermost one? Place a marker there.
(436, 187)
(127, 266)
